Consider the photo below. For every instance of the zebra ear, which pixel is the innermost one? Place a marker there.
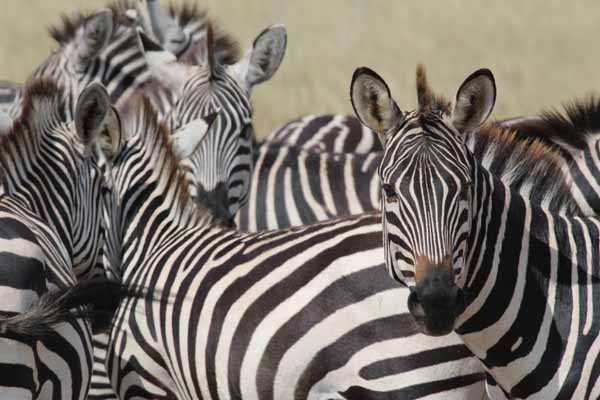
(186, 139)
(97, 123)
(474, 101)
(373, 103)
(156, 21)
(97, 31)
(5, 122)
(262, 60)
(164, 66)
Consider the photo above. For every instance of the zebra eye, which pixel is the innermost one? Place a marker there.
(390, 193)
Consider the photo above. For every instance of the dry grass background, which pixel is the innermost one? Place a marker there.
(542, 52)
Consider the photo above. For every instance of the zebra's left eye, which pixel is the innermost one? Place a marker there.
(390, 193)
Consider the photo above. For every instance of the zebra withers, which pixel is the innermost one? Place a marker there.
(51, 231)
(513, 279)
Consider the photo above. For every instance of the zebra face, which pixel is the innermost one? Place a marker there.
(221, 166)
(427, 188)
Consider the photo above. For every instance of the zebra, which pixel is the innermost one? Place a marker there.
(514, 280)
(270, 296)
(105, 47)
(222, 164)
(202, 91)
(50, 233)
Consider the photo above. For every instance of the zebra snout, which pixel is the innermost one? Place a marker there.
(217, 201)
(436, 301)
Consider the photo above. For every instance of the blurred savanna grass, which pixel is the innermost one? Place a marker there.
(542, 52)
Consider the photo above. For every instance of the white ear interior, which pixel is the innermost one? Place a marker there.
(186, 140)
(475, 101)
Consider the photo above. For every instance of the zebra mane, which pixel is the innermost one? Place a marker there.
(66, 30)
(578, 119)
(227, 50)
(42, 108)
(427, 99)
(527, 165)
(156, 139)
(226, 47)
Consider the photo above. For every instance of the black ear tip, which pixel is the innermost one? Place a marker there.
(483, 72)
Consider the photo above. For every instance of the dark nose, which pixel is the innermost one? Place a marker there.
(217, 201)
(436, 301)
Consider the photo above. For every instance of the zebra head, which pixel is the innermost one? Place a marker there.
(52, 165)
(426, 179)
(221, 167)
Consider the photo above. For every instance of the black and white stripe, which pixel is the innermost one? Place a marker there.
(51, 232)
(221, 166)
(329, 133)
(293, 186)
(514, 279)
(303, 313)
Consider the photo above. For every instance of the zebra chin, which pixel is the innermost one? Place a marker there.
(436, 301)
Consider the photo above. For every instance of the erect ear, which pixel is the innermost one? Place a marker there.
(474, 101)
(372, 102)
(161, 26)
(186, 139)
(263, 58)
(164, 66)
(5, 122)
(97, 123)
(95, 35)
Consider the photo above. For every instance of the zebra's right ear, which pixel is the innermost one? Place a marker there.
(186, 139)
(94, 37)
(373, 103)
(97, 122)
(163, 65)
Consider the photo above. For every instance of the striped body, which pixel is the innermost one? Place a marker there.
(512, 275)
(293, 187)
(302, 313)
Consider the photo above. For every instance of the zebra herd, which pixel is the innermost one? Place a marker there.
(154, 249)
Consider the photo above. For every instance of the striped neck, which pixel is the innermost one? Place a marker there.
(152, 202)
(521, 267)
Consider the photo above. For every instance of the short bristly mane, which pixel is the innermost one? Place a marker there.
(571, 126)
(527, 165)
(42, 110)
(427, 99)
(155, 138)
(227, 50)
(66, 31)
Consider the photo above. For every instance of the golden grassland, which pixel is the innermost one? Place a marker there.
(542, 52)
